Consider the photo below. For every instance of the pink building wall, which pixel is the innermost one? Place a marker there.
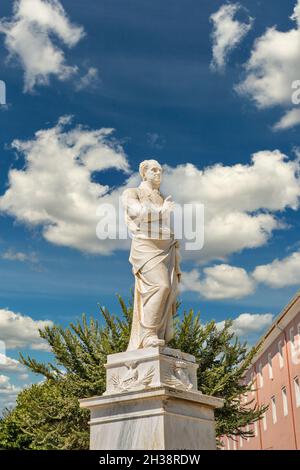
(276, 374)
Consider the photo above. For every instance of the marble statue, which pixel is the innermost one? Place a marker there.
(154, 257)
(152, 401)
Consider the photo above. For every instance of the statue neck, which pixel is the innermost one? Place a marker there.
(149, 187)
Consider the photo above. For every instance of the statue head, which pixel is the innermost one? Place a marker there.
(151, 171)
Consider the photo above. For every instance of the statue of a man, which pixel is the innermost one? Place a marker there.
(154, 257)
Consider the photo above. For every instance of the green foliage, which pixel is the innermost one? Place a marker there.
(47, 415)
(11, 435)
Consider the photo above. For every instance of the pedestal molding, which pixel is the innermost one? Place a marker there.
(150, 393)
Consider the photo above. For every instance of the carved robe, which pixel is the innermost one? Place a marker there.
(154, 257)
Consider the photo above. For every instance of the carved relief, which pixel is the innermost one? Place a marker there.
(132, 379)
(179, 376)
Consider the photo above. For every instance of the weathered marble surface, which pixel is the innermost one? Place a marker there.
(154, 419)
(152, 402)
(154, 256)
(150, 367)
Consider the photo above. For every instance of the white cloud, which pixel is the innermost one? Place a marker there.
(249, 323)
(19, 331)
(56, 190)
(41, 346)
(24, 377)
(12, 255)
(290, 119)
(29, 39)
(89, 80)
(219, 282)
(227, 33)
(8, 364)
(4, 380)
(228, 282)
(273, 66)
(8, 392)
(280, 273)
(155, 140)
(240, 201)
(190, 281)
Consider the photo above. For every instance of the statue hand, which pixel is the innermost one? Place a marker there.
(168, 204)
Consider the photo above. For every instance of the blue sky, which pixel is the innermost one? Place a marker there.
(144, 69)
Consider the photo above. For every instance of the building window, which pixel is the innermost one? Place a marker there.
(297, 391)
(228, 444)
(261, 379)
(281, 361)
(234, 444)
(284, 401)
(255, 429)
(292, 339)
(241, 442)
(253, 384)
(270, 366)
(274, 413)
(264, 421)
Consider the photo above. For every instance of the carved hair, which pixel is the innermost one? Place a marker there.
(145, 165)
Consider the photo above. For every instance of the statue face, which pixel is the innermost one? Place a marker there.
(153, 175)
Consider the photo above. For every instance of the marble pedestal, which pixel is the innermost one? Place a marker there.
(152, 403)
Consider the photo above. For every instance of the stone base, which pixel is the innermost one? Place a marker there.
(154, 419)
(152, 403)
